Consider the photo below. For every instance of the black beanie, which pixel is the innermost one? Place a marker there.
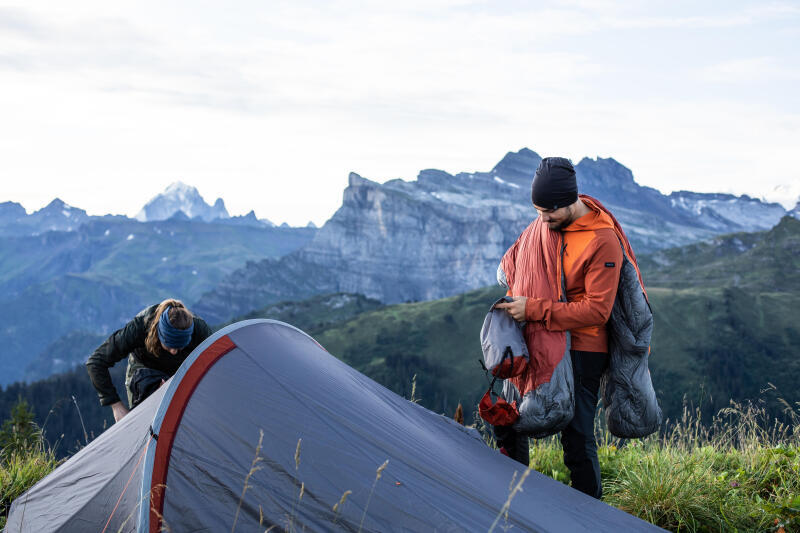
(554, 185)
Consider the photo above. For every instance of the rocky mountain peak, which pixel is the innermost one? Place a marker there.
(59, 208)
(355, 180)
(11, 211)
(518, 166)
(606, 172)
(56, 203)
(179, 196)
(181, 190)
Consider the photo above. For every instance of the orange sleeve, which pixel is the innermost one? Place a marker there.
(601, 281)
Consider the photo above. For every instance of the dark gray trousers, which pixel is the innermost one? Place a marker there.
(577, 439)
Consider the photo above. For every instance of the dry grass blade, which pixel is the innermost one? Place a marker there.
(378, 475)
(254, 467)
(290, 524)
(337, 507)
(514, 489)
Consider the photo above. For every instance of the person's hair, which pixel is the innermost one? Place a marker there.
(179, 317)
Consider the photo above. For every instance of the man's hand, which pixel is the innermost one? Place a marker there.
(516, 308)
(119, 411)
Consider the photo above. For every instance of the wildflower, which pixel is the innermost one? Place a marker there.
(734, 484)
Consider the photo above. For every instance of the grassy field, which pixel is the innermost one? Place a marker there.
(740, 473)
(19, 472)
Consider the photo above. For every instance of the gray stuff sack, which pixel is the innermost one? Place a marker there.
(505, 353)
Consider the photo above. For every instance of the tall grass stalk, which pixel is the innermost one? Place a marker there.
(378, 474)
(292, 517)
(254, 467)
(513, 489)
(337, 507)
(83, 426)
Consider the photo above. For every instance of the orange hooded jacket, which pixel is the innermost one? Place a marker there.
(592, 259)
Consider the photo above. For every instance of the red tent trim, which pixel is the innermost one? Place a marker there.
(172, 419)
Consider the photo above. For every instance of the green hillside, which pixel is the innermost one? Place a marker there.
(714, 345)
(97, 277)
(316, 313)
(709, 346)
(764, 261)
(436, 341)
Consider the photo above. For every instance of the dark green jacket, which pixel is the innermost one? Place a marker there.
(130, 340)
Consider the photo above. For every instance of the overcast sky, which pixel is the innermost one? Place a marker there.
(271, 104)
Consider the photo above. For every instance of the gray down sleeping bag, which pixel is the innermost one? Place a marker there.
(629, 399)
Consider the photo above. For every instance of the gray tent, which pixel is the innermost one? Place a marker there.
(187, 460)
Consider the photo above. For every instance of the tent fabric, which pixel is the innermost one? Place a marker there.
(81, 494)
(327, 430)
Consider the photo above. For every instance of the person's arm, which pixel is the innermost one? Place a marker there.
(601, 281)
(119, 410)
(115, 348)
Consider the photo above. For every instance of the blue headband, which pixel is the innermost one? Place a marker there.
(171, 336)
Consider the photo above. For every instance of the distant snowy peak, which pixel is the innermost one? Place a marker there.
(728, 212)
(181, 197)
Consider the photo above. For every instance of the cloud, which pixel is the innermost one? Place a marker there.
(18, 21)
(293, 95)
(750, 70)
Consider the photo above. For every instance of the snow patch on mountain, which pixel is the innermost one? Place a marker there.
(725, 212)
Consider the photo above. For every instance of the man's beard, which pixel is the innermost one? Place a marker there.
(558, 226)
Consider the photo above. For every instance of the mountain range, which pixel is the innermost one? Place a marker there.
(96, 277)
(444, 234)
(178, 201)
(716, 338)
(63, 272)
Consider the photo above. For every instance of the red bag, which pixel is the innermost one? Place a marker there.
(500, 413)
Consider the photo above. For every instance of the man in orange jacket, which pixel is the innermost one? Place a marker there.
(592, 259)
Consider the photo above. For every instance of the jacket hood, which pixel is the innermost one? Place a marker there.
(594, 220)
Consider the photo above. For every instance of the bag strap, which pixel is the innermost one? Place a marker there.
(507, 353)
